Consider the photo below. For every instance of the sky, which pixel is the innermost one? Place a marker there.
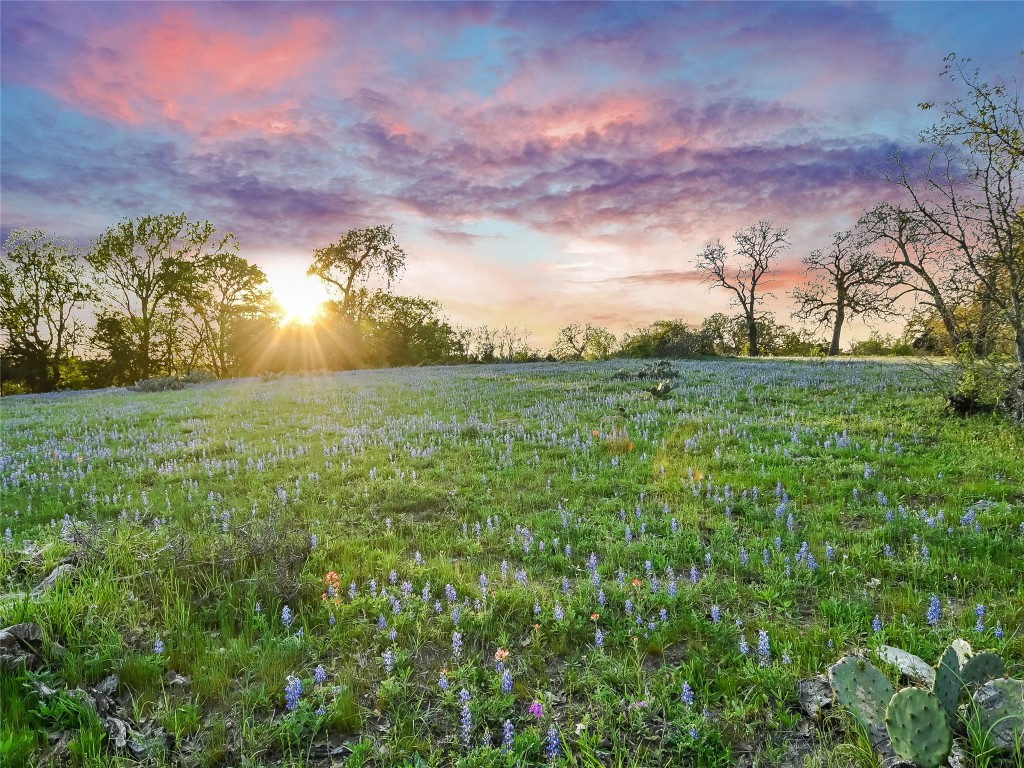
(541, 163)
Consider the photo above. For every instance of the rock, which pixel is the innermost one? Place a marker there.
(912, 667)
(799, 754)
(815, 695)
(21, 645)
(957, 757)
(61, 571)
(1001, 705)
(108, 685)
(963, 650)
(117, 731)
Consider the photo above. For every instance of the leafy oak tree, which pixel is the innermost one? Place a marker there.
(350, 264)
(41, 288)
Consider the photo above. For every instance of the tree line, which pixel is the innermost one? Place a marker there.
(163, 295)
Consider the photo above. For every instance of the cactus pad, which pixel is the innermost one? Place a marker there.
(918, 729)
(980, 669)
(863, 691)
(963, 650)
(947, 685)
(1001, 706)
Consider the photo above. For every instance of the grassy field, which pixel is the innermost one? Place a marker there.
(491, 566)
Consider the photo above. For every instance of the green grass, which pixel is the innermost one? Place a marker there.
(189, 517)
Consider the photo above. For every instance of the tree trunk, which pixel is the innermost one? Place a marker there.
(752, 336)
(837, 329)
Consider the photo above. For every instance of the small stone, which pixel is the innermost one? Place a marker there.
(61, 571)
(815, 696)
(108, 685)
(910, 666)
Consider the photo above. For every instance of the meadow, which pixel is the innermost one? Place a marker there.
(492, 565)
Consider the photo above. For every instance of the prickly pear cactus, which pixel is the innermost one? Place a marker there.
(1001, 706)
(981, 668)
(918, 728)
(863, 691)
(947, 685)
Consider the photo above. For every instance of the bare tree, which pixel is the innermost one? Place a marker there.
(847, 279)
(968, 199)
(757, 249)
(359, 256)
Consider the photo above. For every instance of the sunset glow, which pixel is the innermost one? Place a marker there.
(299, 296)
(495, 138)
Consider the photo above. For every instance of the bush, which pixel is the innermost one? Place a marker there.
(159, 384)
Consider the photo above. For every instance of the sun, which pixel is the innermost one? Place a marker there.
(299, 296)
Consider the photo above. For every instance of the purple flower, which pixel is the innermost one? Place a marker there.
(389, 660)
(716, 614)
(687, 695)
(158, 645)
(465, 720)
(506, 682)
(744, 646)
(1000, 634)
(934, 614)
(292, 693)
(537, 710)
(552, 744)
(319, 674)
(764, 651)
(508, 736)
(457, 644)
(559, 613)
(876, 623)
(599, 638)
(442, 681)
(286, 616)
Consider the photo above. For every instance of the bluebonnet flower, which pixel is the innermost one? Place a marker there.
(601, 599)
(980, 612)
(789, 566)
(566, 586)
(258, 609)
(876, 623)
(552, 744)
(457, 644)
(778, 543)
(506, 682)
(999, 633)
(925, 554)
(352, 591)
(934, 614)
(465, 720)
(536, 608)
(313, 541)
(442, 681)
(764, 651)
(687, 695)
(158, 645)
(694, 574)
(629, 606)
(675, 525)
(787, 659)
(9, 537)
(456, 615)
(286, 616)
(744, 557)
(663, 614)
(389, 660)
(292, 693)
(888, 551)
(508, 736)
(382, 623)
(766, 556)
(559, 613)
(450, 594)
(599, 638)
(744, 646)
(830, 551)
(716, 614)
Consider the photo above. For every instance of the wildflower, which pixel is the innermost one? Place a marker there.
(694, 733)
(830, 552)
(457, 644)
(552, 744)
(286, 616)
(352, 591)
(744, 646)
(465, 720)
(599, 638)
(537, 709)
(508, 736)
(501, 655)
(934, 614)
(876, 623)
(601, 599)
(313, 541)
(158, 645)
(744, 557)
(629, 606)
(319, 674)
(763, 647)
(999, 633)
(506, 682)
(687, 695)
(980, 612)
(559, 612)
(663, 614)
(292, 693)
(389, 660)
(442, 681)
(9, 537)
(716, 614)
